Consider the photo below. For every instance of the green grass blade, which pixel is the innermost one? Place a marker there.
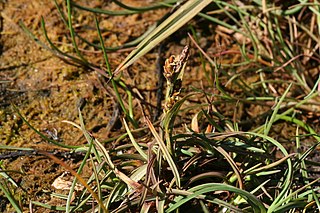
(56, 51)
(275, 111)
(83, 163)
(39, 133)
(135, 144)
(146, 8)
(47, 206)
(289, 174)
(299, 123)
(126, 45)
(256, 205)
(102, 11)
(168, 121)
(72, 33)
(114, 83)
(10, 197)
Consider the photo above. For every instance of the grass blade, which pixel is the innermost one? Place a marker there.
(165, 152)
(135, 144)
(210, 187)
(10, 197)
(185, 13)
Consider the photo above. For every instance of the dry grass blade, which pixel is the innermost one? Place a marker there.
(232, 164)
(185, 13)
(133, 184)
(81, 180)
(271, 165)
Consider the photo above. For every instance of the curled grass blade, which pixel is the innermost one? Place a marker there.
(299, 123)
(256, 205)
(102, 11)
(146, 8)
(58, 53)
(54, 50)
(285, 187)
(128, 10)
(232, 164)
(126, 45)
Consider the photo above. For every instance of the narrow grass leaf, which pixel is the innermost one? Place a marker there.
(4, 174)
(103, 11)
(135, 144)
(275, 111)
(39, 133)
(81, 180)
(232, 164)
(287, 198)
(165, 152)
(182, 194)
(299, 123)
(305, 155)
(146, 8)
(72, 33)
(113, 82)
(125, 45)
(133, 184)
(293, 205)
(56, 51)
(271, 165)
(51, 207)
(10, 197)
(256, 205)
(168, 122)
(289, 174)
(6, 147)
(160, 206)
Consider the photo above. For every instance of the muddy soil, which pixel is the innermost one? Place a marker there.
(47, 91)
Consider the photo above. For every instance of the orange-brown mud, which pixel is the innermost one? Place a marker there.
(46, 90)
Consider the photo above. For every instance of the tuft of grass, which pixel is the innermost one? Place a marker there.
(213, 162)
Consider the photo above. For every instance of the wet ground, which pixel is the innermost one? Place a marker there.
(46, 90)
